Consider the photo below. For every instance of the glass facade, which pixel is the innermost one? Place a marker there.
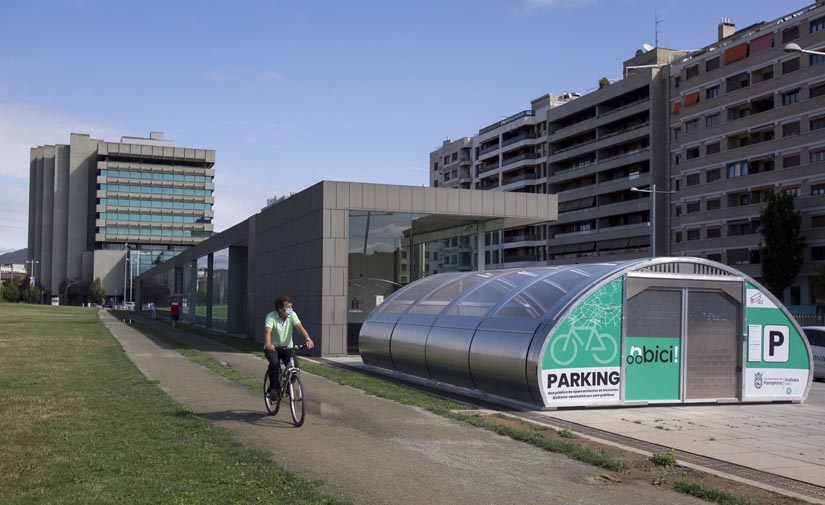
(220, 289)
(388, 250)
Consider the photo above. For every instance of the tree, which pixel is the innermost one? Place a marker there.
(782, 244)
(31, 294)
(11, 293)
(604, 82)
(96, 292)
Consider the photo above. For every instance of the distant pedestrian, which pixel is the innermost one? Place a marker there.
(174, 311)
(154, 311)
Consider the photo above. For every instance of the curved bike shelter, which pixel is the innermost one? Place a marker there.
(664, 330)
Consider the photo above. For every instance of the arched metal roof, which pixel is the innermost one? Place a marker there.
(531, 293)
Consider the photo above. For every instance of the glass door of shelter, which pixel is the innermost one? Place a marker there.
(652, 346)
(713, 351)
(682, 340)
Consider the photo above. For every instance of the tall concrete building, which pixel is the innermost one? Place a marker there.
(108, 210)
(747, 119)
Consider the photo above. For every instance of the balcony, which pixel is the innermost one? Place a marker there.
(486, 167)
(519, 258)
(488, 184)
(520, 238)
(522, 136)
(484, 150)
(519, 177)
(519, 157)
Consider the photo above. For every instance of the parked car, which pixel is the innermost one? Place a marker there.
(816, 337)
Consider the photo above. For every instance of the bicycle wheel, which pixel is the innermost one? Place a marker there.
(272, 406)
(296, 399)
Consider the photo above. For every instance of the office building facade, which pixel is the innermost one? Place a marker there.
(748, 119)
(110, 210)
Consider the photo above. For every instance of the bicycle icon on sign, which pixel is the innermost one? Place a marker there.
(565, 347)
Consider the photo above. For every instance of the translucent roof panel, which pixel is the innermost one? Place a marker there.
(405, 297)
(534, 301)
(480, 301)
(439, 299)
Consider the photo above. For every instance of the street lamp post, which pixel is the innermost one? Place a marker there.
(32, 278)
(794, 48)
(653, 192)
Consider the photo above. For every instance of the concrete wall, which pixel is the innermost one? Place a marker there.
(60, 215)
(47, 210)
(109, 265)
(82, 156)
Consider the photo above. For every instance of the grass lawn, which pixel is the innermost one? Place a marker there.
(80, 424)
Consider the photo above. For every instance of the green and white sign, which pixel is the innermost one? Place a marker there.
(652, 369)
(581, 362)
(777, 362)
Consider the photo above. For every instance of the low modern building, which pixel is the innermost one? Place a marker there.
(110, 210)
(339, 249)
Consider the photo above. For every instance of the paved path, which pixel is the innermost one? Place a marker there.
(370, 450)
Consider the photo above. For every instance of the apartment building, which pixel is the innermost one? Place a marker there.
(451, 164)
(601, 147)
(112, 210)
(747, 119)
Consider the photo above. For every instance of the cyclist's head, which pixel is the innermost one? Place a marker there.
(281, 302)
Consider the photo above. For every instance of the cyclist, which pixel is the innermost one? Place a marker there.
(278, 333)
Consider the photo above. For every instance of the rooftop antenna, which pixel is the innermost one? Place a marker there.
(656, 22)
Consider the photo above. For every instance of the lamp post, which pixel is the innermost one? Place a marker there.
(125, 266)
(131, 271)
(653, 192)
(794, 48)
(32, 278)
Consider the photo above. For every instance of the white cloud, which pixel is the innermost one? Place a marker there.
(236, 198)
(21, 128)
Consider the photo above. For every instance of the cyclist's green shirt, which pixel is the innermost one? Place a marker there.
(281, 328)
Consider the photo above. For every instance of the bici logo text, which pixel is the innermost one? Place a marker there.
(645, 354)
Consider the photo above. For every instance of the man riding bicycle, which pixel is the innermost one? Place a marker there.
(278, 333)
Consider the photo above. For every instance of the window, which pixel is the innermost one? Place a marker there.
(692, 207)
(818, 123)
(791, 161)
(693, 234)
(712, 175)
(790, 129)
(791, 191)
(693, 124)
(692, 180)
(677, 237)
(818, 189)
(817, 25)
(790, 34)
(692, 72)
(818, 221)
(817, 156)
(676, 132)
(691, 98)
(678, 210)
(677, 81)
(714, 231)
(712, 64)
(790, 66)
(714, 204)
(791, 97)
(713, 120)
(818, 253)
(717, 257)
(691, 153)
(817, 90)
(816, 59)
(761, 43)
(712, 92)
(737, 169)
(713, 148)
(435, 166)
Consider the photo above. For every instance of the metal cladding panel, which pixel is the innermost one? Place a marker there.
(497, 361)
(448, 351)
(374, 344)
(464, 322)
(408, 346)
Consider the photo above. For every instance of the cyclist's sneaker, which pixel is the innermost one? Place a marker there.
(272, 394)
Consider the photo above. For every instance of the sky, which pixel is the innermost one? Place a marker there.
(291, 93)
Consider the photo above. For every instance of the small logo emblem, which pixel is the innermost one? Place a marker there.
(757, 380)
(756, 298)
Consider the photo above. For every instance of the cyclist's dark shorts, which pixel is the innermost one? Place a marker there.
(175, 318)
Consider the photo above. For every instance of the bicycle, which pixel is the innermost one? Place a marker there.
(565, 347)
(291, 386)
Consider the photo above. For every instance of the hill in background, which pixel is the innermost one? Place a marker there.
(14, 256)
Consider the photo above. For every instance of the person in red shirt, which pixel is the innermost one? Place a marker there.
(174, 311)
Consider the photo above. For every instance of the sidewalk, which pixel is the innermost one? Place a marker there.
(370, 450)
